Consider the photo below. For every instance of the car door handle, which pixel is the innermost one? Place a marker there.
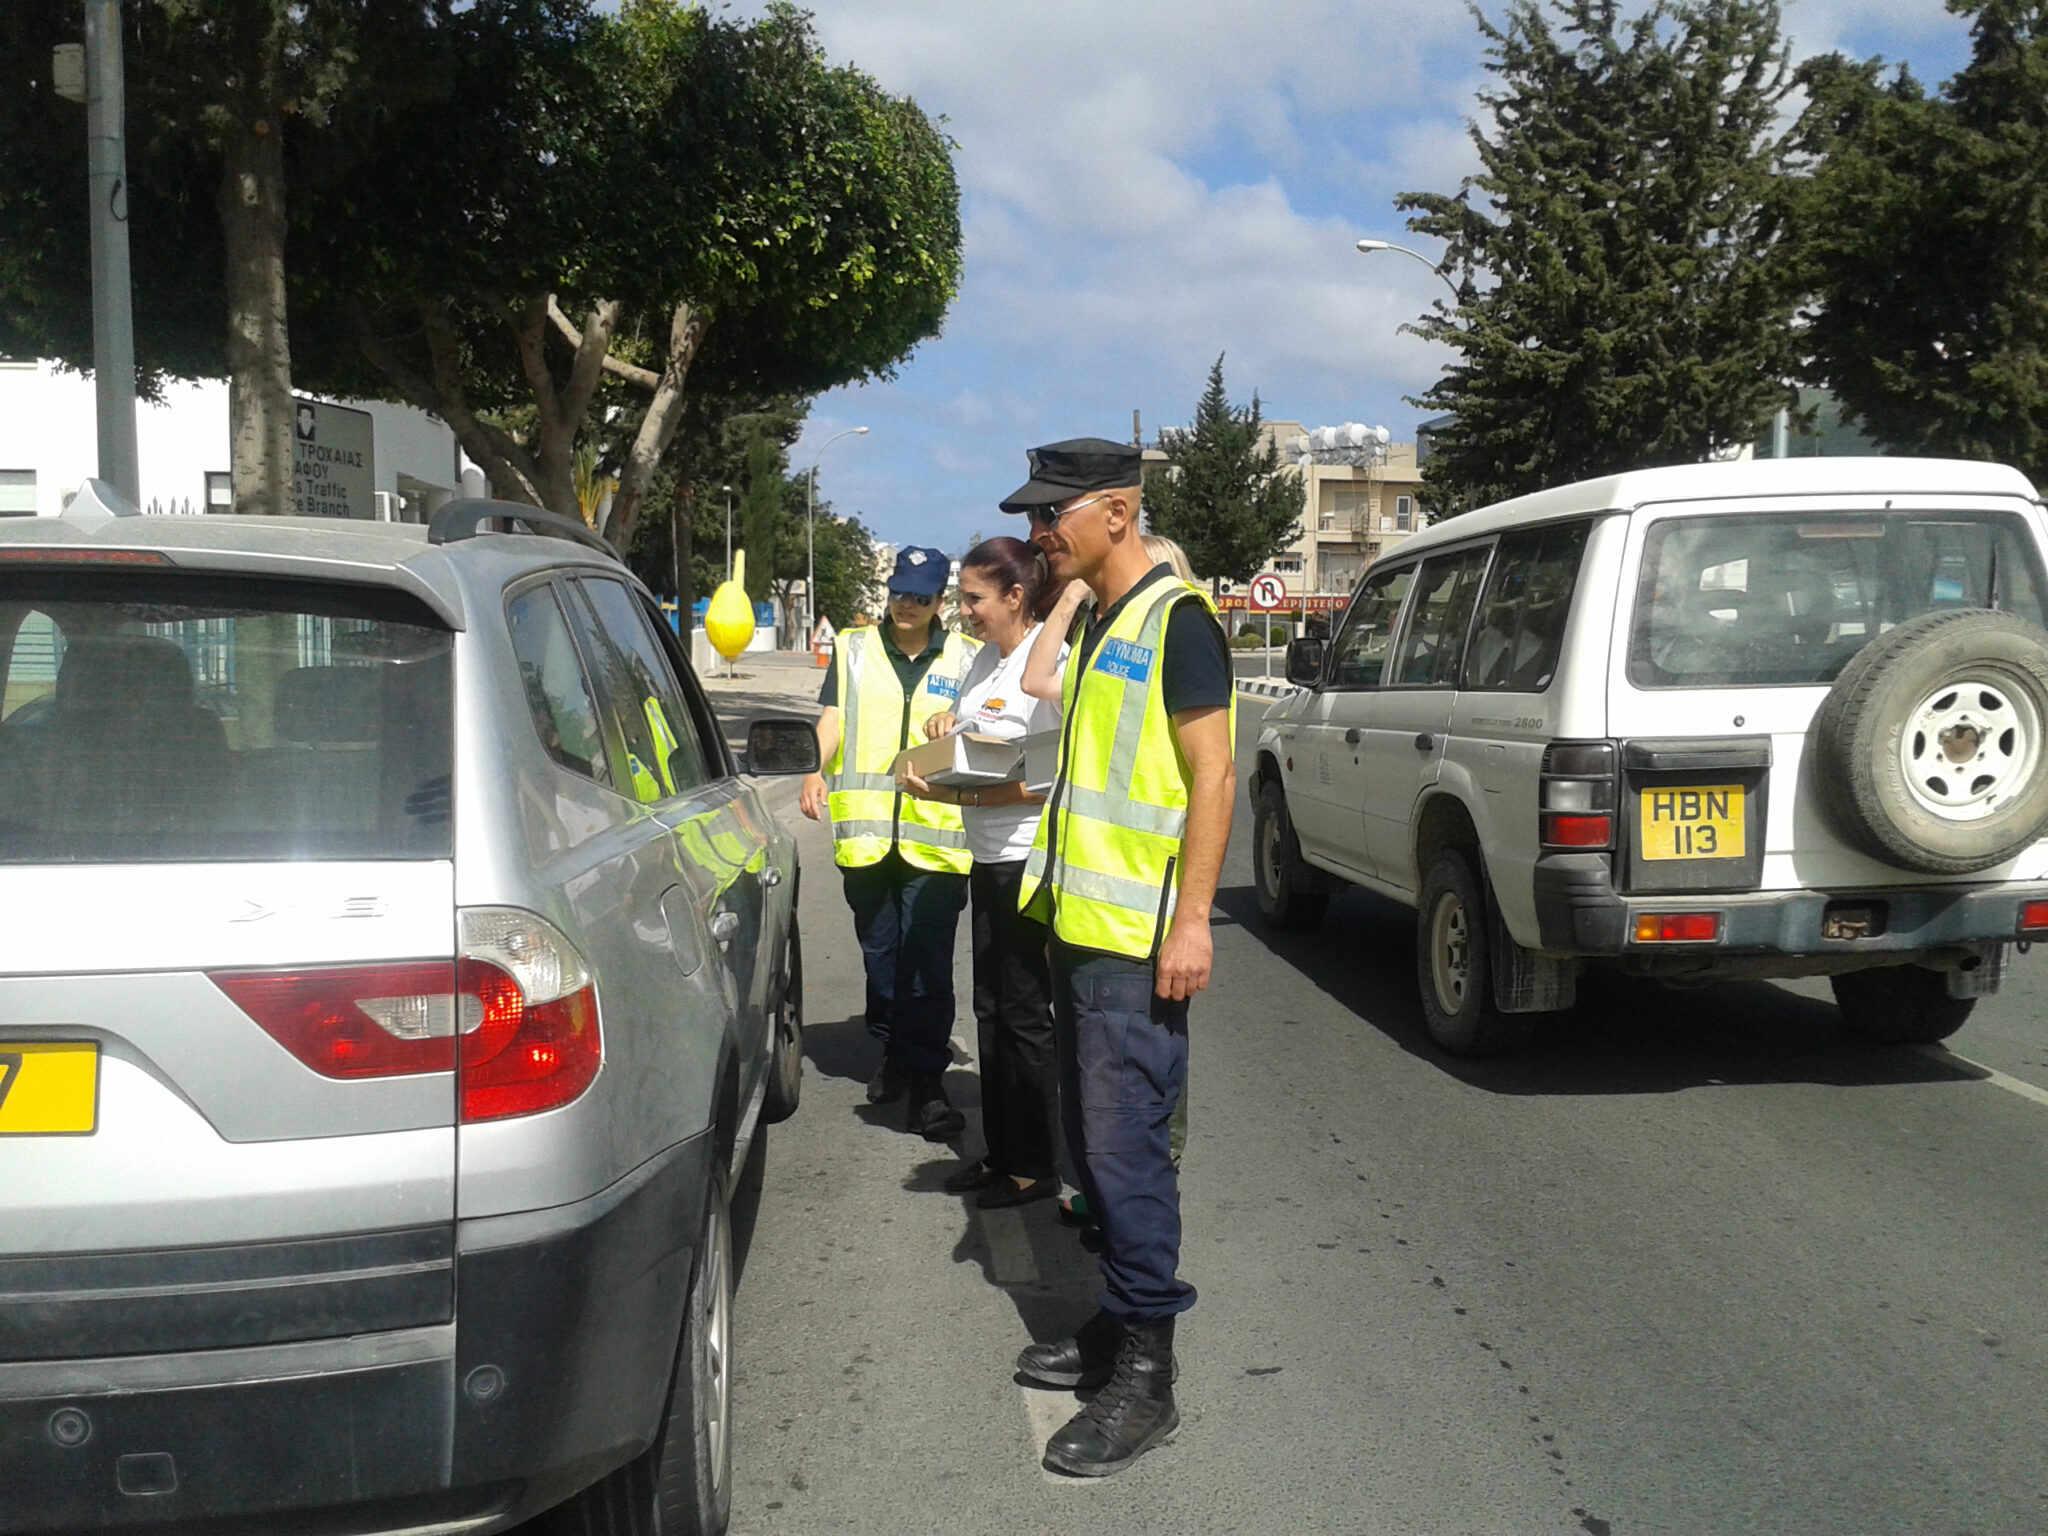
(771, 876)
(1351, 737)
(723, 926)
(1424, 742)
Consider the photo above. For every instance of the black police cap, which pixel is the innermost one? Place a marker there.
(1062, 471)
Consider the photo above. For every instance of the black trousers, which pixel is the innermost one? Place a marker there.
(1013, 1015)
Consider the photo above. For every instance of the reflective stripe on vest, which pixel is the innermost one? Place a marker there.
(869, 816)
(1108, 849)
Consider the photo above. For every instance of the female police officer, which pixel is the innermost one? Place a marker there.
(904, 861)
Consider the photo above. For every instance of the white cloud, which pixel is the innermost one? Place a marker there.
(1150, 183)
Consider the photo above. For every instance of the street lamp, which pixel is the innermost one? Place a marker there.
(728, 533)
(810, 540)
(1367, 247)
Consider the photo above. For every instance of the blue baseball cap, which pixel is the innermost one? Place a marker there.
(921, 572)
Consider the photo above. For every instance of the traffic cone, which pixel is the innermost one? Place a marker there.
(822, 652)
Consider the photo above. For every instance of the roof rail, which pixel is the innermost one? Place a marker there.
(465, 519)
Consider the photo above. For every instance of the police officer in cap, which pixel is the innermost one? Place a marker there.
(904, 861)
(1124, 868)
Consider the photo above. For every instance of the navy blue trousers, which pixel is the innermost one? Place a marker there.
(906, 919)
(1123, 1056)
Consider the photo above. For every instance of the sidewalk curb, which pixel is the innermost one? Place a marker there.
(1266, 687)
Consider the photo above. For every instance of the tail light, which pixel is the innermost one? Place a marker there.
(1575, 811)
(515, 1015)
(1678, 927)
(2034, 917)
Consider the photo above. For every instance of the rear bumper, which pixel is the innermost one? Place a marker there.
(554, 1371)
(1578, 912)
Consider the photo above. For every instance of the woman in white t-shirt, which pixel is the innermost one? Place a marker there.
(1002, 584)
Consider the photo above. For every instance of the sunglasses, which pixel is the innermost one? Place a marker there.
(913, 597)
(1048, 518)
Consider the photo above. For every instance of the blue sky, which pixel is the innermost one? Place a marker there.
(1148, 183)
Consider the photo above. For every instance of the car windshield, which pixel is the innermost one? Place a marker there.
(1788, 598)
(170, 716)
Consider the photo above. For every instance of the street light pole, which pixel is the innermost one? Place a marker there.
(113, 302)
(728, 533)
(810, 539)
(1367, 247)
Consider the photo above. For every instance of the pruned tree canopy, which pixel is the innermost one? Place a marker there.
(518, 214)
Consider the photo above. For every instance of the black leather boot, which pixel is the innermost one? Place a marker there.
(1129, 1416)
(1085, 1358)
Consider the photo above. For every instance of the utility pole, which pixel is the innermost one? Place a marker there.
(113, 304)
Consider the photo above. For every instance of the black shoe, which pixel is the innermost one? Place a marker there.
(930, 1115)
(1129, 1416)
(1006, 1192)
(888, 1083)
(1086, 1357)
(969, 1177)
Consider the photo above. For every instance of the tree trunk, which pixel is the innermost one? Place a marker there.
(658, 427)
(252, 221)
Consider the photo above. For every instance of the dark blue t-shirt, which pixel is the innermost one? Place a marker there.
(1195, 671)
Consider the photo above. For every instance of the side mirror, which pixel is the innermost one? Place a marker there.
(1305, 661)
(779, 745)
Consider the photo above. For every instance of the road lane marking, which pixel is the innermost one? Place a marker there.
(1010, 1259)
(1991, 1075)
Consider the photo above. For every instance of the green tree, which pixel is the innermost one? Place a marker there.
(1925, 229)
(1625, 297)
(1225, 497)
(537, 222)
(217, 92)
(698, 202)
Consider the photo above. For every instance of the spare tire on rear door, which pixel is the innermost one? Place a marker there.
(1929, 753)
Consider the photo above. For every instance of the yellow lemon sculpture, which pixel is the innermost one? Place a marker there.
(729, 616)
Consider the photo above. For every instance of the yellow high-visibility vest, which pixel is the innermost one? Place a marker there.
(1107, 856)
(868, 814)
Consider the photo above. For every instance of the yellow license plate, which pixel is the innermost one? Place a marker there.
(1692, 823)
(49, 1089)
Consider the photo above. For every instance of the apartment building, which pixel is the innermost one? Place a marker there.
(1359, 500)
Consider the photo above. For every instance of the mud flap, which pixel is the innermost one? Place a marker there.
(1525, 981)
(1980, 977)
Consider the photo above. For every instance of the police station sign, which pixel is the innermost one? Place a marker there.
(334, 467)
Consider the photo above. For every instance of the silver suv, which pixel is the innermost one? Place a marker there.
(393, 972)
(1723, 720)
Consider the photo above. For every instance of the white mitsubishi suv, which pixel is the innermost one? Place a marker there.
(1757, 719)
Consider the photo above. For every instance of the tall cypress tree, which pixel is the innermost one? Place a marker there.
(1623, 297)
(1925, 226)
(1226, 501)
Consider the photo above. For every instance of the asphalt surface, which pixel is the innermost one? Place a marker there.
(1697, 1263)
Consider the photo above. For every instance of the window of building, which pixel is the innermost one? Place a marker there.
(1386, 523)
(1287, 565)
(17, 493)
(1404, 512)
(220, 491)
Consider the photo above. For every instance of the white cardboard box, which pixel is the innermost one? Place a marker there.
(1041, 760)
(963, 758)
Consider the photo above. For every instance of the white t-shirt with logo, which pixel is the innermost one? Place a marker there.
(993, 703)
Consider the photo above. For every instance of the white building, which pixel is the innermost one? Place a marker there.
(49, 445)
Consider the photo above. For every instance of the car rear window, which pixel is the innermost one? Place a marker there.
(1788, 598)
(159, 716)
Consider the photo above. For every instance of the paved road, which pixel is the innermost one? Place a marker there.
(1697, 1264)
